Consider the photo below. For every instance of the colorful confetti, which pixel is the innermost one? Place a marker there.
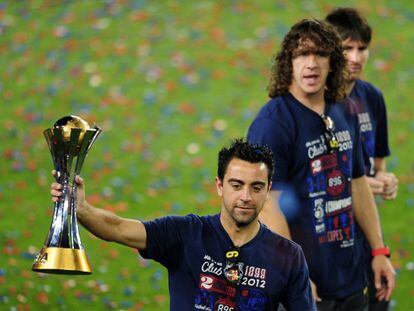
(169, 86)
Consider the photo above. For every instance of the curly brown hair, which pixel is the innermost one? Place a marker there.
(326, 40)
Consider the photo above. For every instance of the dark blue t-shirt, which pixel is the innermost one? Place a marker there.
(368, 103)
(193, 249)
(316, 188)
(372, 116)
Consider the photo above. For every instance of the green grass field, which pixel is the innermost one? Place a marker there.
(169, 82)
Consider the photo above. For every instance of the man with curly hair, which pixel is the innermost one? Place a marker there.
(319, 183)
(227, 261)
(368, 102)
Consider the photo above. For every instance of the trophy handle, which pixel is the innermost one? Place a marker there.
(88, 140)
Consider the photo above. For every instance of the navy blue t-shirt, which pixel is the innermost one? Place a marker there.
(316, 188)
(368, 103)
(372, 116)
(193, 248)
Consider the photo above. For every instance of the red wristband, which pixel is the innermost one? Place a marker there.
(381, 251)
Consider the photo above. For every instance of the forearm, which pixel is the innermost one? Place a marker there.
(366, 213)
(100, 223)
(380, 165)
(110, 227)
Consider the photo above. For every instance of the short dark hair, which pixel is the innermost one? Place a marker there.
(243, 150)
(350, 24)
(327, 40)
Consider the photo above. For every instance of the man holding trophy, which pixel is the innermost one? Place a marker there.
(227, 261)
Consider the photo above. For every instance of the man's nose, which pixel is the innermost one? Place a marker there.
(353, 56)
(312, 61)
(245, 195)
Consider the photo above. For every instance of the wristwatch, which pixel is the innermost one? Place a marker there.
(381, 251)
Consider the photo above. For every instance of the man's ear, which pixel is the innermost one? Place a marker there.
(219, 186)
(268, 190)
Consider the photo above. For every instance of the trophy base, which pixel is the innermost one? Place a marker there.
(59, 260)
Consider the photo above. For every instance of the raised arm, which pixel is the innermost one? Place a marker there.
(104, 224)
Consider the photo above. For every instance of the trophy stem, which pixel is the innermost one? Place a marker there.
(74, 235)
(58, 232)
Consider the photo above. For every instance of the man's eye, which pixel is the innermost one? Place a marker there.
(322, 53)
(300, 53)
(236, 186)
(257, 188)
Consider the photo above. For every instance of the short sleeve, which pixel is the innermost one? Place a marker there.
(271, 133)
(382, 149)
(165, 239)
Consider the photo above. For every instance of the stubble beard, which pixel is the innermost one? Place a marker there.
(245, 222)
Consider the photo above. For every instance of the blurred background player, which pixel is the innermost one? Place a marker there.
(315, 142)
(369, 103)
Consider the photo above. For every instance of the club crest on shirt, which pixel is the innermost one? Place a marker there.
(233, 271)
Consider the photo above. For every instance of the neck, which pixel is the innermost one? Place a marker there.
(315, 102)
(349, 86)
(240, 235)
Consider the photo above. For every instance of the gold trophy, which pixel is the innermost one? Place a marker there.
(62, 253)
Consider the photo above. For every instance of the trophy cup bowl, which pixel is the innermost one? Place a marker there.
(69, 141)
